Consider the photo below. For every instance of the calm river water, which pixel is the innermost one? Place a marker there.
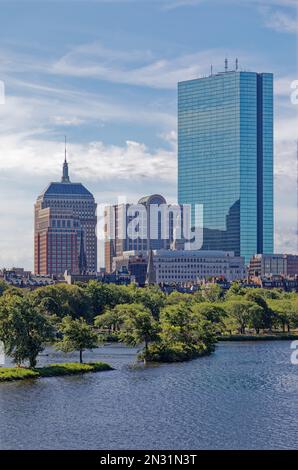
(245, 396)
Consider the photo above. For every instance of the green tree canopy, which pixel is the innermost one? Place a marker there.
(65, 300)
(139, 326)
(3, 287)
(77, 335)
(213, 312)
(23, 329)
(210, 293)
(112, 318)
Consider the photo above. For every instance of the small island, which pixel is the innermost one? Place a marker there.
(52, 370)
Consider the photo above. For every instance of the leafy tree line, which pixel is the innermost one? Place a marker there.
(171, 327)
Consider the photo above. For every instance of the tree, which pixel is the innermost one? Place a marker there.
(103, 296)
(3, 287)
(236, 289)
(184, 334)
(139, 326)
(112, 318)
(176, 297)
(284, 312)
(255, 295)
(152, 298)
(210, 311)
(238, 312)
(23, 329)
(256, 317)
(49, 306)
(70, 300)
(77, 336)
(211, 292)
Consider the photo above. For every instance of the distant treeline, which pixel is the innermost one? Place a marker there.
(172, 327)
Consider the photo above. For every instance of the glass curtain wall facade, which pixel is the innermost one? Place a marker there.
(225, 158)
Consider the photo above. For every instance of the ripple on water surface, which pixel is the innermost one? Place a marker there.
(243, 396)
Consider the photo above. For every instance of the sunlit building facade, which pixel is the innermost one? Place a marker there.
(225, 158)
(65, 229)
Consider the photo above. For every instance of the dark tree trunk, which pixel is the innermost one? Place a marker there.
(32, 362)
(81, 356)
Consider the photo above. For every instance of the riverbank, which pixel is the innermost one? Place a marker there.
(264, 337)
(52, 370)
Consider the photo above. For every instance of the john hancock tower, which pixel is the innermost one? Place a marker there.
(225, 158)
(65, 229)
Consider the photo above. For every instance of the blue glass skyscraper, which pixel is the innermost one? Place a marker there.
(225, 158)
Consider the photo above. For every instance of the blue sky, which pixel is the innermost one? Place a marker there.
(105, 74)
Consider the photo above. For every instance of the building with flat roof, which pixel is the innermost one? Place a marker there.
(197, 265)
(274, 265)
(188, 266)
(225, 158)
(135, 264)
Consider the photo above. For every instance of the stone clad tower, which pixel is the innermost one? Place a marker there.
(65, 228)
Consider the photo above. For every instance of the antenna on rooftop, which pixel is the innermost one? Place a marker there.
(236, 64)
(65, 148)
(226, 65)
(211, 69)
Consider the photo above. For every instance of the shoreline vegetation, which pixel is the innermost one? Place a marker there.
(263, 337)
(8, 374)
(173, 327)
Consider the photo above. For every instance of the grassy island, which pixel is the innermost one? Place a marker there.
(52, 370)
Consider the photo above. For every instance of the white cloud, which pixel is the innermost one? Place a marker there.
(90, 162)
(281, 21)
(282, 86)
(93, 61)
(69, 107)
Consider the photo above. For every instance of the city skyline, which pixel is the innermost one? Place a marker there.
(113, 92)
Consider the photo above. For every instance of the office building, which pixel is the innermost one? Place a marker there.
(155, 227)
(186, 266)
(274, 265)
(65, 229)
(135, 265)
(197, 265)
(225, 158)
